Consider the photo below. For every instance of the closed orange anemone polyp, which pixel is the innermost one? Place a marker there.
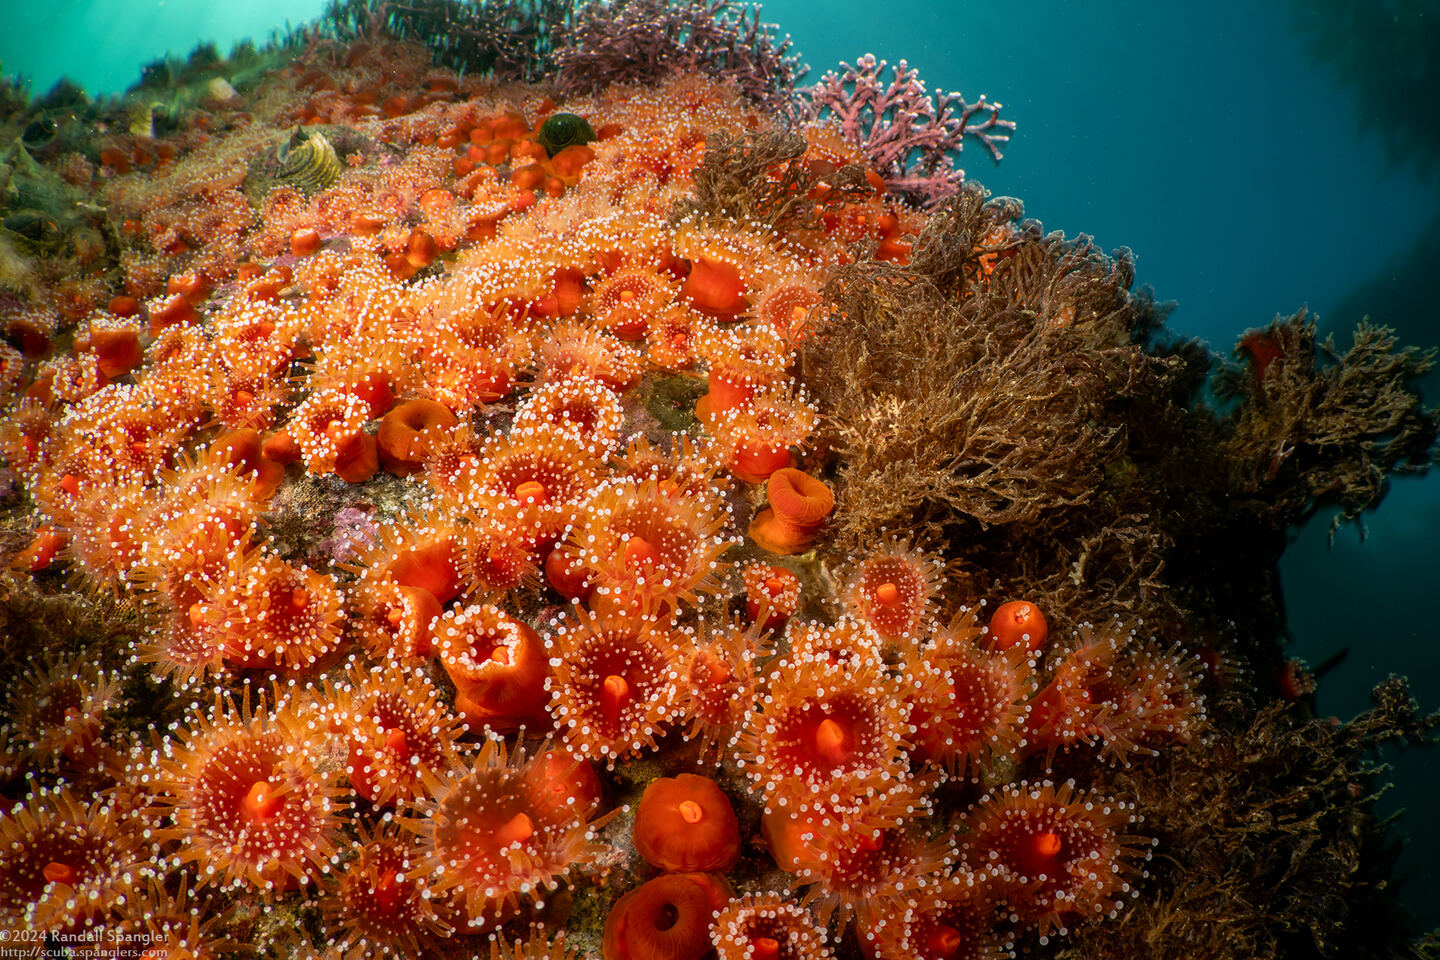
(497, 663)
(716, 287)
(686, 823)
(799, 498)
(242, 449)
(668, 918)
(559, 779)
(417, 555)
(1018, 623)
(409, 433)
(799, 505)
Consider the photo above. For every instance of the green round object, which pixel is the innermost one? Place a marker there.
(561, 130)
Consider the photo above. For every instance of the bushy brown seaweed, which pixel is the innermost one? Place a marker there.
(1009, 393)
(759, 179)
(962, 406)
(1320, 428)
(1270, 844)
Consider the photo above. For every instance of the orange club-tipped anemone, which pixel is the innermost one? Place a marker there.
(537, 945)
(649, 546)
(1115, 690)
(822, 729)
(675, 337)
(249, 802)
(860, 870)
(414, 553)
(497, 555)
(668, 918)
(1057, 854)
(560, 779)
(573, 350)
(329, 428)
(66, 864)
(767, 926)
(451, 458)
(410, 433)
(243, 449)
(184, 648)
(680, 463)
(586, 408)
(1122, 692)
(137, 428)
(771, 592)
(399, 732)
(716, 681)
(104, 530)
(175, 922)
(799, 506)
(892, 589)
(497, 663)
(114, 341)
(463, 375)
(244, 398)
(968, 704)
(845, 644)
(742, 363)
(1156, 701)
(955, 922)
(611, 691)
(566, 574)
(1018, 623)
(716, 287)
(726, 266)
(203, 525)
(623, 302)
(60, 708)
(790, 833)
(756, 436)
(686, 823)
(787, 307)
(393, 622)
(536, 478)
(375, 909)
(486, 840)
(267, 613)
(24, 430)
(45, 548)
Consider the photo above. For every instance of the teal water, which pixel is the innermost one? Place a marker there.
(1203, 137)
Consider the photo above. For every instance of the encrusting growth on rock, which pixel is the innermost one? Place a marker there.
(526, 480)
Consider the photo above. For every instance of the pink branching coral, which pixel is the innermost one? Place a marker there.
(908, 135)
(642, 40)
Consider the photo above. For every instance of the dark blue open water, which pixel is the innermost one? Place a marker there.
(1201, 136)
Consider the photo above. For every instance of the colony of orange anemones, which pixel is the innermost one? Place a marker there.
(440, 710)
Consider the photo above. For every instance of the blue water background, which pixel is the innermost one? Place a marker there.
(1203, 138)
